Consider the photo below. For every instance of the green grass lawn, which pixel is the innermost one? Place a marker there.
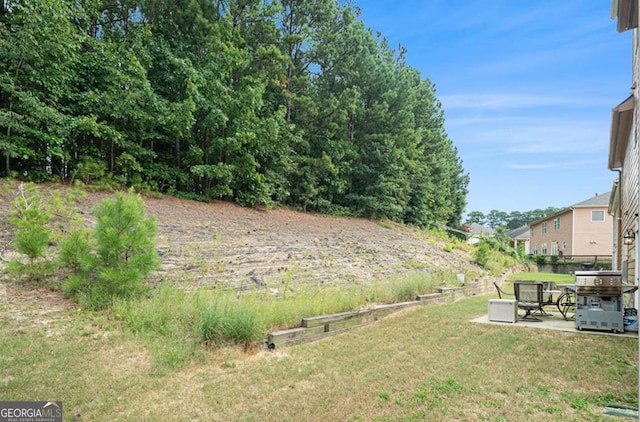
(558, 278)
(426, 363)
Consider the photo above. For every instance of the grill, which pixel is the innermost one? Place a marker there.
(599, 300)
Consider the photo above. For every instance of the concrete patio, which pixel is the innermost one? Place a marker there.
(554, 321)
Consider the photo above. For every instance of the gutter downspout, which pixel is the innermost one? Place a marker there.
(619, 219)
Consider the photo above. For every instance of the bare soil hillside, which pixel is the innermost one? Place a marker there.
(221, 244)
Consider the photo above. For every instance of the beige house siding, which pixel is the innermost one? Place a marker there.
(629, 190)
(622, 142)
(630, 172)
(623, 158)
(592, 237)
(576, 235)
(562, 236)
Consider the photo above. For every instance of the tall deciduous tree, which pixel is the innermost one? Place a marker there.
(38, 52)
(291, 101)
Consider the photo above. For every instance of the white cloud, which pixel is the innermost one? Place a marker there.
(514, 101)
(536, 166)
(565, 165)
(577, 135)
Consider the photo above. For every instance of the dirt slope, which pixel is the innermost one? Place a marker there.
(222, 244)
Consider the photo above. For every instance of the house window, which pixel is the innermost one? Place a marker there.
(556, 223)
(535, 249)
(544, 227)
(544, 249)
(564, 245)
(554, 248)
(597, 215)
(531, 231)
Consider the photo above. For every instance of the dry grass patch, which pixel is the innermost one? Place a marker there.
(428, 363)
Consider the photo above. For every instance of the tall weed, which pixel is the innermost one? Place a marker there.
(218, 318)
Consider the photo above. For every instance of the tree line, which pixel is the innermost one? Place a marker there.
(511, 220)
(281, 102)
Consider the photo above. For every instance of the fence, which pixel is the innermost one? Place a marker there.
(580, 259)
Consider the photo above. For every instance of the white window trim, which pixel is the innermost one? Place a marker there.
(598, 221)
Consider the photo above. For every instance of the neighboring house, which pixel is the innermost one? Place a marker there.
(477, 231)
(623, 153)
(581, 229)
(521, 236)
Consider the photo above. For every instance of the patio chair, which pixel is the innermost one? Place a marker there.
(530, 299)
(548, 287)
(501, 293)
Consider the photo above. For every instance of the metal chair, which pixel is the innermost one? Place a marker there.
(501, 293)
(530, 299)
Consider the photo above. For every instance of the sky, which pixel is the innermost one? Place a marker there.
(526, 87)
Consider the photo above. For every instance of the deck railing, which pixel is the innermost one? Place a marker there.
(593, 259)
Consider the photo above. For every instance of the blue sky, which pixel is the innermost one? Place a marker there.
(527, 89)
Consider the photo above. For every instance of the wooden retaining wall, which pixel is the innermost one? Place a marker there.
(315, 328)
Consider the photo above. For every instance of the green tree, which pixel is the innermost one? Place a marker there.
(74, 251)
(114, 260)
(497, 218)
(257, 102)
(515, 219)
(321, 104)
(511, 220)
(476, 217)
(30, 218)
(38, 50)
(125, 238)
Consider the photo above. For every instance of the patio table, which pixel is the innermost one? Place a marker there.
(549, 296)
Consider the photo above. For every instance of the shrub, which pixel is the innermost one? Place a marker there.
(31, 237)
(482, 254)
(89, 170)
(540, 259)
(75, 251)
(125, 240)
(113, 260)
(72, 286)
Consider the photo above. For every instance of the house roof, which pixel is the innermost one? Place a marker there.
(475, 228)
(621, 122)
(520, 233)
(598, 201)
(626, 12)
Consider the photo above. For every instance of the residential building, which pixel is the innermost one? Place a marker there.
(521, 237)
(623, 156)
(477, 232)
(583, 229)
(623, 153)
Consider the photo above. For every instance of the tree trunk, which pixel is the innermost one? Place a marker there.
(7, 156)
(177, 152)
(112, 159)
